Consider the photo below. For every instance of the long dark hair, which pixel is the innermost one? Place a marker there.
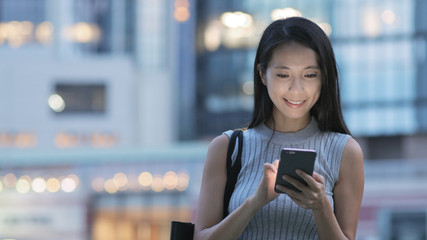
(327, 110)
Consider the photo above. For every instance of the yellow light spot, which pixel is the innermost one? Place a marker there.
(26, 28)
(53, 185)
(121, 181)
(248, 87)
(370, 22)
(182, 3)
(110, 186)
(181, 14)
(170, 180)
(284, 13)
(44, 32)
(183, 181)
(326, 27)
(388, 16)
(157, 184)
(98, 184)
(145, 179)
(23, 185)
(236, 19)
(75, 178)
(9, 180)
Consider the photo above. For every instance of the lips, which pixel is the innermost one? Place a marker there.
(294, 103)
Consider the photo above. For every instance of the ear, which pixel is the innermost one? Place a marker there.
(261, 75)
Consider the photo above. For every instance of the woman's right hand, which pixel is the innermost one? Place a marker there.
(265, 192)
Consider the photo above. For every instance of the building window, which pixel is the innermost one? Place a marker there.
(78, 98)
(407, 225)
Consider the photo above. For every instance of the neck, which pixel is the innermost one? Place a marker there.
(287, 125)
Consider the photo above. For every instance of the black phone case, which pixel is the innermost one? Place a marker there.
(291, 160)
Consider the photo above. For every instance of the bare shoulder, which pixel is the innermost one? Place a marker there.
(217, 152)
(209, 210)
(352, 159)
(348, 191)
(352, 151)
(219, 143)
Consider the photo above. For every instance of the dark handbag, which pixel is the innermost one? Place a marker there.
(185, 231)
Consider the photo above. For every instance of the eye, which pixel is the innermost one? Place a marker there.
(282, 75)
(310, 75)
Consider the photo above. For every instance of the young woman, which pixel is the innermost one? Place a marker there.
(297, 104)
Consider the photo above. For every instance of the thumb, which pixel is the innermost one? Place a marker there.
(269, 167)
(276, 164)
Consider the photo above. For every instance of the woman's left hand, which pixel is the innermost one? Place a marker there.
(312, 195)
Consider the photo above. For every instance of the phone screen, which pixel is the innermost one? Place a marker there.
(292, 159)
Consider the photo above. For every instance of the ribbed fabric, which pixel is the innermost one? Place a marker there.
(282, 218)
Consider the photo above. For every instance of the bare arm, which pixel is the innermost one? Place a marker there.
(209, 223)
(348, 191)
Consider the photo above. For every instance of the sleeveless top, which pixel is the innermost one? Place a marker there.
(282, 218)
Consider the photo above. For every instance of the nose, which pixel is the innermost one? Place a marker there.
(296, 85)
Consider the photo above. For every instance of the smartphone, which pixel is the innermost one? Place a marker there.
(292, 159)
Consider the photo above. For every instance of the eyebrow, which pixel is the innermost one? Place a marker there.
(308, 67)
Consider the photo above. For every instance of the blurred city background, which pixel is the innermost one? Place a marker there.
(107, 108)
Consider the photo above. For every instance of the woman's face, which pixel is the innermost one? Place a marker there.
(293, 81)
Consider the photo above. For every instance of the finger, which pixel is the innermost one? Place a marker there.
(300, 203)
(269, 167)
(276, 163)
(307, 178)
(296, 183)
(290, 192)
(318, 177)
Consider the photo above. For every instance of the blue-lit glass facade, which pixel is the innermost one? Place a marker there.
(375, 52)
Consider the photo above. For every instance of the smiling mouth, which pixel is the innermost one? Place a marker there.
(294, 104)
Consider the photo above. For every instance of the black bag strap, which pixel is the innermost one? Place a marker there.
(232, 170)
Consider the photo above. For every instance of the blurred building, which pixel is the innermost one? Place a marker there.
(98, 98)
(91, 94)
(96, 72)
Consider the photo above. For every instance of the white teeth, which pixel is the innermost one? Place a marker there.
(293, 102)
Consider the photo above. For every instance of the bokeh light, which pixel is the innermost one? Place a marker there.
(183, 181)
(9, 180)
(236, 19)
(277, 14)
(23, 185)
(110, 186)
(121, 181)
(157, 184)
(38, 185)
(170, 180)
(56, 103)
(145, 179)
(53, 185)
(388, 16)
(68, 185)
(98, 184)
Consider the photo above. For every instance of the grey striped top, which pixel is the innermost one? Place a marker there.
(282, 218)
